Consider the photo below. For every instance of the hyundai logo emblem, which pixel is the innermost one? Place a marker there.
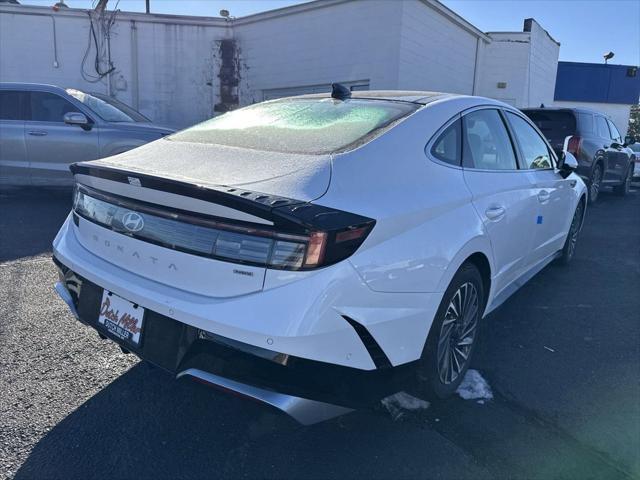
(133, 221)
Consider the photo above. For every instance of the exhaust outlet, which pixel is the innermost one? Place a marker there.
(303, 410)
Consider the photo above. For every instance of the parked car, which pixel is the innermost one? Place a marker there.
(604, 159)
(636, 152)
(43, 129)
(319, 250)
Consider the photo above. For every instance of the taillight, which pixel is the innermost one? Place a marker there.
(314, 236)
(575, 142)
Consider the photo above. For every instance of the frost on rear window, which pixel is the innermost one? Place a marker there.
(298, 126)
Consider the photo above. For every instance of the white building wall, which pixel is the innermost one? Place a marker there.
(338, 42)
(543, 66)
(506, 62)
(168, 66)
(176, 73)
(619, 113)
(436, 53)
(526, 62)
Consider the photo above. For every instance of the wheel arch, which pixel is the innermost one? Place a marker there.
(478, 252)
(583, 200)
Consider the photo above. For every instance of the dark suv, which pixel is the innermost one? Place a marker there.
(604, 158)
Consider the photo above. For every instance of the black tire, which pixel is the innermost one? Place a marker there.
(569, 248)
(625, 186)
(595, 183)
(433, 381)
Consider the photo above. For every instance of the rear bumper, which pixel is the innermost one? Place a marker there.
(307, 390)
(303, 314)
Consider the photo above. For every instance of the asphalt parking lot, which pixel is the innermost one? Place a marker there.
(562, 357)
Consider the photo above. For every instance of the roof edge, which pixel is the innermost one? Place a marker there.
(457, 19)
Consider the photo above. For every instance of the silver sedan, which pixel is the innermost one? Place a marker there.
(43, 129)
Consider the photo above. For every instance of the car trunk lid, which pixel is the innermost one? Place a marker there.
(154, 213)
(300, 176)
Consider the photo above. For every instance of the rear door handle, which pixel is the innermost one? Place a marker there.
(37, 133)
(543, 196)
(495, 213)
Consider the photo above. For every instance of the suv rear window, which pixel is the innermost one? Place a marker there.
(555, 125)
(299, 125)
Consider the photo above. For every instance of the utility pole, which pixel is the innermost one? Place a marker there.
(147, 3)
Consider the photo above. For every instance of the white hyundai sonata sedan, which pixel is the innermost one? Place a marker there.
(319, 252)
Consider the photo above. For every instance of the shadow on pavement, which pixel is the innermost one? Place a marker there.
(30, 220)
(146, 425)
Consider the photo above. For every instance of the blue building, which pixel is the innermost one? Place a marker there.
(610, 89)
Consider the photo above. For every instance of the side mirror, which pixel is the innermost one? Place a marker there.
(568, 162)
(77, 118)
(629, 140)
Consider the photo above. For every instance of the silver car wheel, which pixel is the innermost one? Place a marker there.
(458, 333)
(595, 183)
(575, 230)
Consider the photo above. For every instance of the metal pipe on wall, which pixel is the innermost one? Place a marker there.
(134, 66)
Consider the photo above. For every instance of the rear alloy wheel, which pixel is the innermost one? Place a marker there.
(595, 183)
(625, 186)
(453, 336)
(570, 243)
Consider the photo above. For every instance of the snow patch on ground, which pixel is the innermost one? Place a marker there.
(400, 403)
(474, 387)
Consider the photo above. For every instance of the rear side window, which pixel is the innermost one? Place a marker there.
(302, 125)
(585, 124)
(486, 143)
(554, 125)
(447, 148)
(601, 128)
(48, 107)
(11, 105)
(534, 149)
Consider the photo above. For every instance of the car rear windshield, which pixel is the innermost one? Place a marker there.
(309, 126)
(555, 125)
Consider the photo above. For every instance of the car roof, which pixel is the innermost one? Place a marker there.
(31, 86)
(563, 109)
(413, 96)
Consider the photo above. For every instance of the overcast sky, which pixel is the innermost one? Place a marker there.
(586, 29)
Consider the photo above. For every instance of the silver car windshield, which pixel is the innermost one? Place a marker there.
(308, 126)
(107, 108)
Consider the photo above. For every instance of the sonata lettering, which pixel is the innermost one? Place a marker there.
(134, 254)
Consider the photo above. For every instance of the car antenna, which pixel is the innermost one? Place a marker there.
(340, 92)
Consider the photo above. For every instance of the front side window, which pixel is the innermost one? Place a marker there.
(11, 105)
(615, 134)
(602, 128)
(447, 148)
(486, 143)
(48, 107)
(306, 125)
(534, 150)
